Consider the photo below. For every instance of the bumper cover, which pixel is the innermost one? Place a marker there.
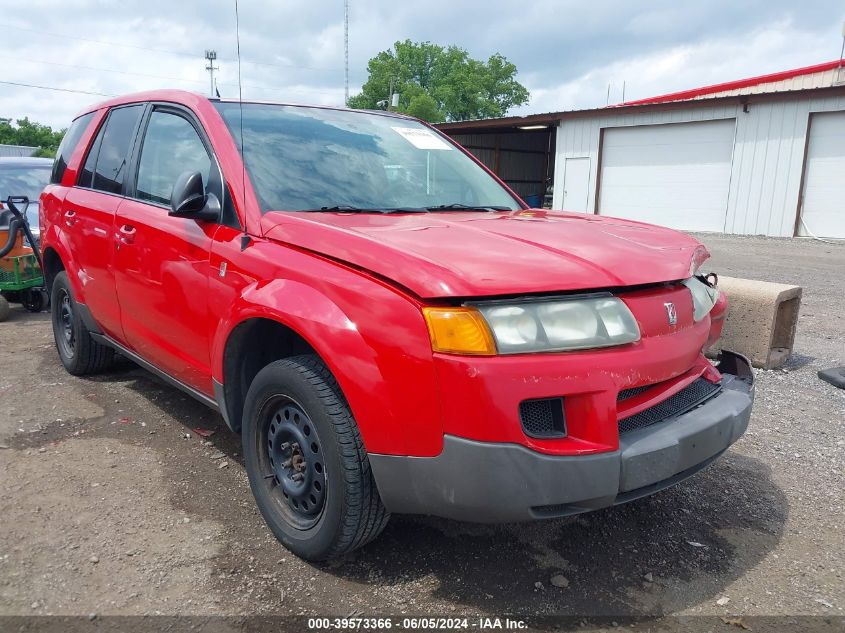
(494, 482)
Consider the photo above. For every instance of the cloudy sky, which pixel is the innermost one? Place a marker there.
(567, 52)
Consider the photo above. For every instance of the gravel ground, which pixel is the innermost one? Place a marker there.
(113, 504)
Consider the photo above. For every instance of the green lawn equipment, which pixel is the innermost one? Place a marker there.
(21, 276)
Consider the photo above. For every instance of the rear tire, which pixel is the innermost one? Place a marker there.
(307, 465)
(5, 308)
(79, 353)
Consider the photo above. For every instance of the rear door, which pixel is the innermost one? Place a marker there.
(162, 263)
(89, 209)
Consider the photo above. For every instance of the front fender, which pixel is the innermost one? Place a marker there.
(373, 340)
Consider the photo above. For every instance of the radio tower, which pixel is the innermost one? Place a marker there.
(211, 56)
(346, 51)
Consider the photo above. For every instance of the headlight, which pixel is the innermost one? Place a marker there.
(559, 325)
(704, 297)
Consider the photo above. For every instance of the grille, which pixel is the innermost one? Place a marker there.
(543, 418)
(633, 391)
(685, 400)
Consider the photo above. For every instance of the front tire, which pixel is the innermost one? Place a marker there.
(79, 353)
(307, 465)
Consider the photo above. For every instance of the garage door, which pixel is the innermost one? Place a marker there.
(676, 174)
(823, 207)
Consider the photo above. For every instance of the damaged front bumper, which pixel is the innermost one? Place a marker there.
(501, 482)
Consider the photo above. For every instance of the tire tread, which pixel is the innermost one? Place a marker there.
(363, 516)
(90, 356)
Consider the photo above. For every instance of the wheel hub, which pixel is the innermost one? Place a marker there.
(296, 459)
(66, 315)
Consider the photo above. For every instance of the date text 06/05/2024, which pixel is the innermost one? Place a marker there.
(415, 623)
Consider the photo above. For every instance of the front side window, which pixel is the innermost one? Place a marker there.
(171, 147)
(105, 167)
(307, 159)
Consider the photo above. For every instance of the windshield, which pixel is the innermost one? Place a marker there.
(25, 181)
(312, 159)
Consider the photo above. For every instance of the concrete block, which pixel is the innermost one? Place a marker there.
(761, 320)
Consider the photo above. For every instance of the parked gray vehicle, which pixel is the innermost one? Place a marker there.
(26, 177)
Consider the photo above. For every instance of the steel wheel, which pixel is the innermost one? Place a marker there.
(78, 351)
(306, 461)
(293, 460)
(67, 337)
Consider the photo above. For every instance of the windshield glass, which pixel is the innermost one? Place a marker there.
(23, 181)
(308, 159)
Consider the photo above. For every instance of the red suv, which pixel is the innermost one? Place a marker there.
(384, 322)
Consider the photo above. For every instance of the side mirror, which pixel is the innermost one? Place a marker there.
(189, 199)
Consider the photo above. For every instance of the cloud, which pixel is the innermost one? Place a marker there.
(778, 46)
(566, 51)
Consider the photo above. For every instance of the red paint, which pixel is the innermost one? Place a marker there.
(734, 85)
(510, 253)
(353, 287)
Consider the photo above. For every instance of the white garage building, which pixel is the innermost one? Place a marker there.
(760, 156)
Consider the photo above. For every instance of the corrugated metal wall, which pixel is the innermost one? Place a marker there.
(767, 159)
(519, 158)
(17, 151)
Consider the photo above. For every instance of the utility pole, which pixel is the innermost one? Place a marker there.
(346, 51)
(211, 56)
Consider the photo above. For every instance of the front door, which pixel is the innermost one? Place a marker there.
(162, 262)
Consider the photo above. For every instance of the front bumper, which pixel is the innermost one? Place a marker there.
(491, 482)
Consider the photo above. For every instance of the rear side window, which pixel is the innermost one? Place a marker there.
(171, 147)
(109, 154)
(68, 144)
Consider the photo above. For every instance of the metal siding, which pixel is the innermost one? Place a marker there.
(767, 159)
(17, 151)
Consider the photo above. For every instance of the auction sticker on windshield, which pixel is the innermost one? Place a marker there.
(422, 139)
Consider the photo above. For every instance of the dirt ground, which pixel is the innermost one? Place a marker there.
(111, 503)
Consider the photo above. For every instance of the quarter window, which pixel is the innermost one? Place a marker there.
(171, 148)
(68, 144)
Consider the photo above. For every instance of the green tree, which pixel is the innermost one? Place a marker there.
(438, 83)
(26, 132)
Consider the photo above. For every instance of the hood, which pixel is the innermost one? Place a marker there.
(473, 254)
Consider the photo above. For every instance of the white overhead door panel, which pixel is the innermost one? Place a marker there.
(823, 207)
(675, 174)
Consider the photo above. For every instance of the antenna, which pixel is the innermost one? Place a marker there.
(839, 77)
(346, 51)
(245, 238)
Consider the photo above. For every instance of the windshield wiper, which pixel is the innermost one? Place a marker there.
(345, 208)
(457, 206)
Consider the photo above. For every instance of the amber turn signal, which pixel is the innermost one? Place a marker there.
(459, 331)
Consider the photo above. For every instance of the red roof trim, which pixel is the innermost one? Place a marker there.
(735, 85)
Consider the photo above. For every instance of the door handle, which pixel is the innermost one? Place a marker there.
(70, 217)
(126, 235)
